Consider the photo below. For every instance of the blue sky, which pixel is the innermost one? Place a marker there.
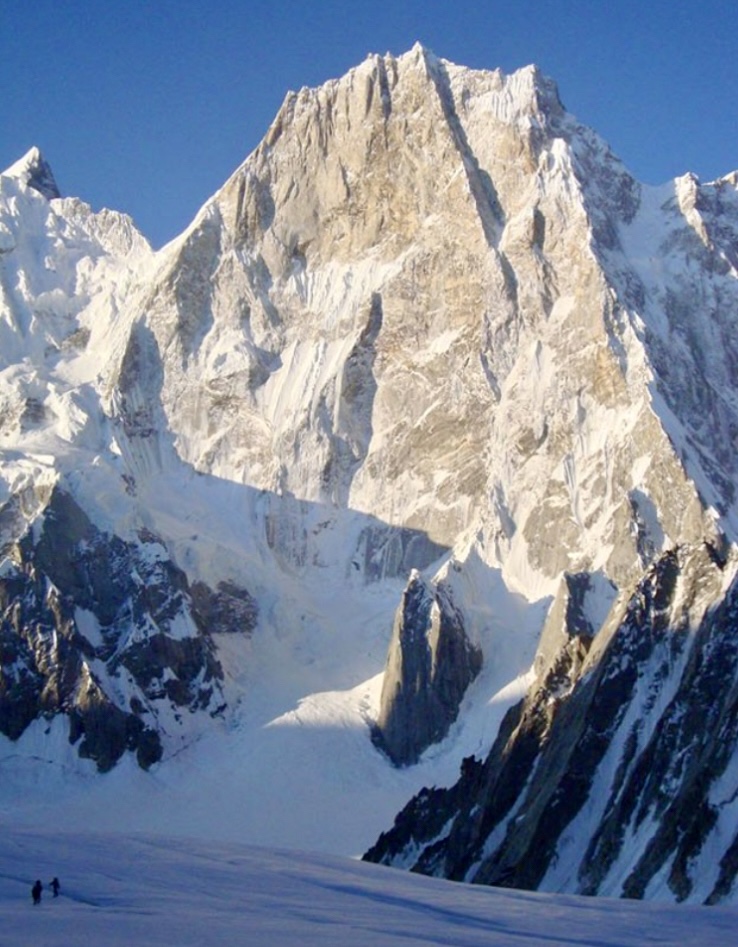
(147, 107)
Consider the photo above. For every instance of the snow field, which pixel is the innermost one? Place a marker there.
(153, 892)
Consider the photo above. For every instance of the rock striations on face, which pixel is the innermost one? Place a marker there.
(613, 773)
(431, 333)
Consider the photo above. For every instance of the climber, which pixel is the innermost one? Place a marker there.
(36, 892)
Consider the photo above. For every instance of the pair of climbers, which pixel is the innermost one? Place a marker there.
(38, 888)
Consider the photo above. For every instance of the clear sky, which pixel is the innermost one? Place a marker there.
(147, 106)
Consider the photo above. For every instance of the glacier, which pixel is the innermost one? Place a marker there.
(151, 890)
(431, 331)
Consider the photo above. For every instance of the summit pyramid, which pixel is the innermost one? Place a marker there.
(410, 463)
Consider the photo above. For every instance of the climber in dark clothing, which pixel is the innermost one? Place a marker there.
(36, 892)
(54, 885)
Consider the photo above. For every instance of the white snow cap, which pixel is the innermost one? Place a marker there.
(34, 171)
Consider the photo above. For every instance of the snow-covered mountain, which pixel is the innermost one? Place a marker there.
(432, 384)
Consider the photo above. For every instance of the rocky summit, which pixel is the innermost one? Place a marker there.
(421, 437)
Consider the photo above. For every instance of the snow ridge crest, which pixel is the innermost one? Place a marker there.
(430, 324)
(35, 172)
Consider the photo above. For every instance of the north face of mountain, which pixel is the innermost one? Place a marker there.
(430, 380)
(404, 273)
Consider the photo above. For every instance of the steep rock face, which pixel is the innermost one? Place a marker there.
(431, 663)
(685, 308)
(613, 775)
(577, 613)
(431, 323)
(102, 631)
(346, 325)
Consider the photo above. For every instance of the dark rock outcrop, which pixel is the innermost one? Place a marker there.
(104, 631)
(430, 664)
(624, 743)
(226, 609)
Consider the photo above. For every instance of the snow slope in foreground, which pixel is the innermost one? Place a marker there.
(154, 891)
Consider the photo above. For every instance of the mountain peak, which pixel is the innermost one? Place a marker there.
(431, 328)
(35, 171)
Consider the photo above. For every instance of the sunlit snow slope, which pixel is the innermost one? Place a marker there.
(428, 416)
